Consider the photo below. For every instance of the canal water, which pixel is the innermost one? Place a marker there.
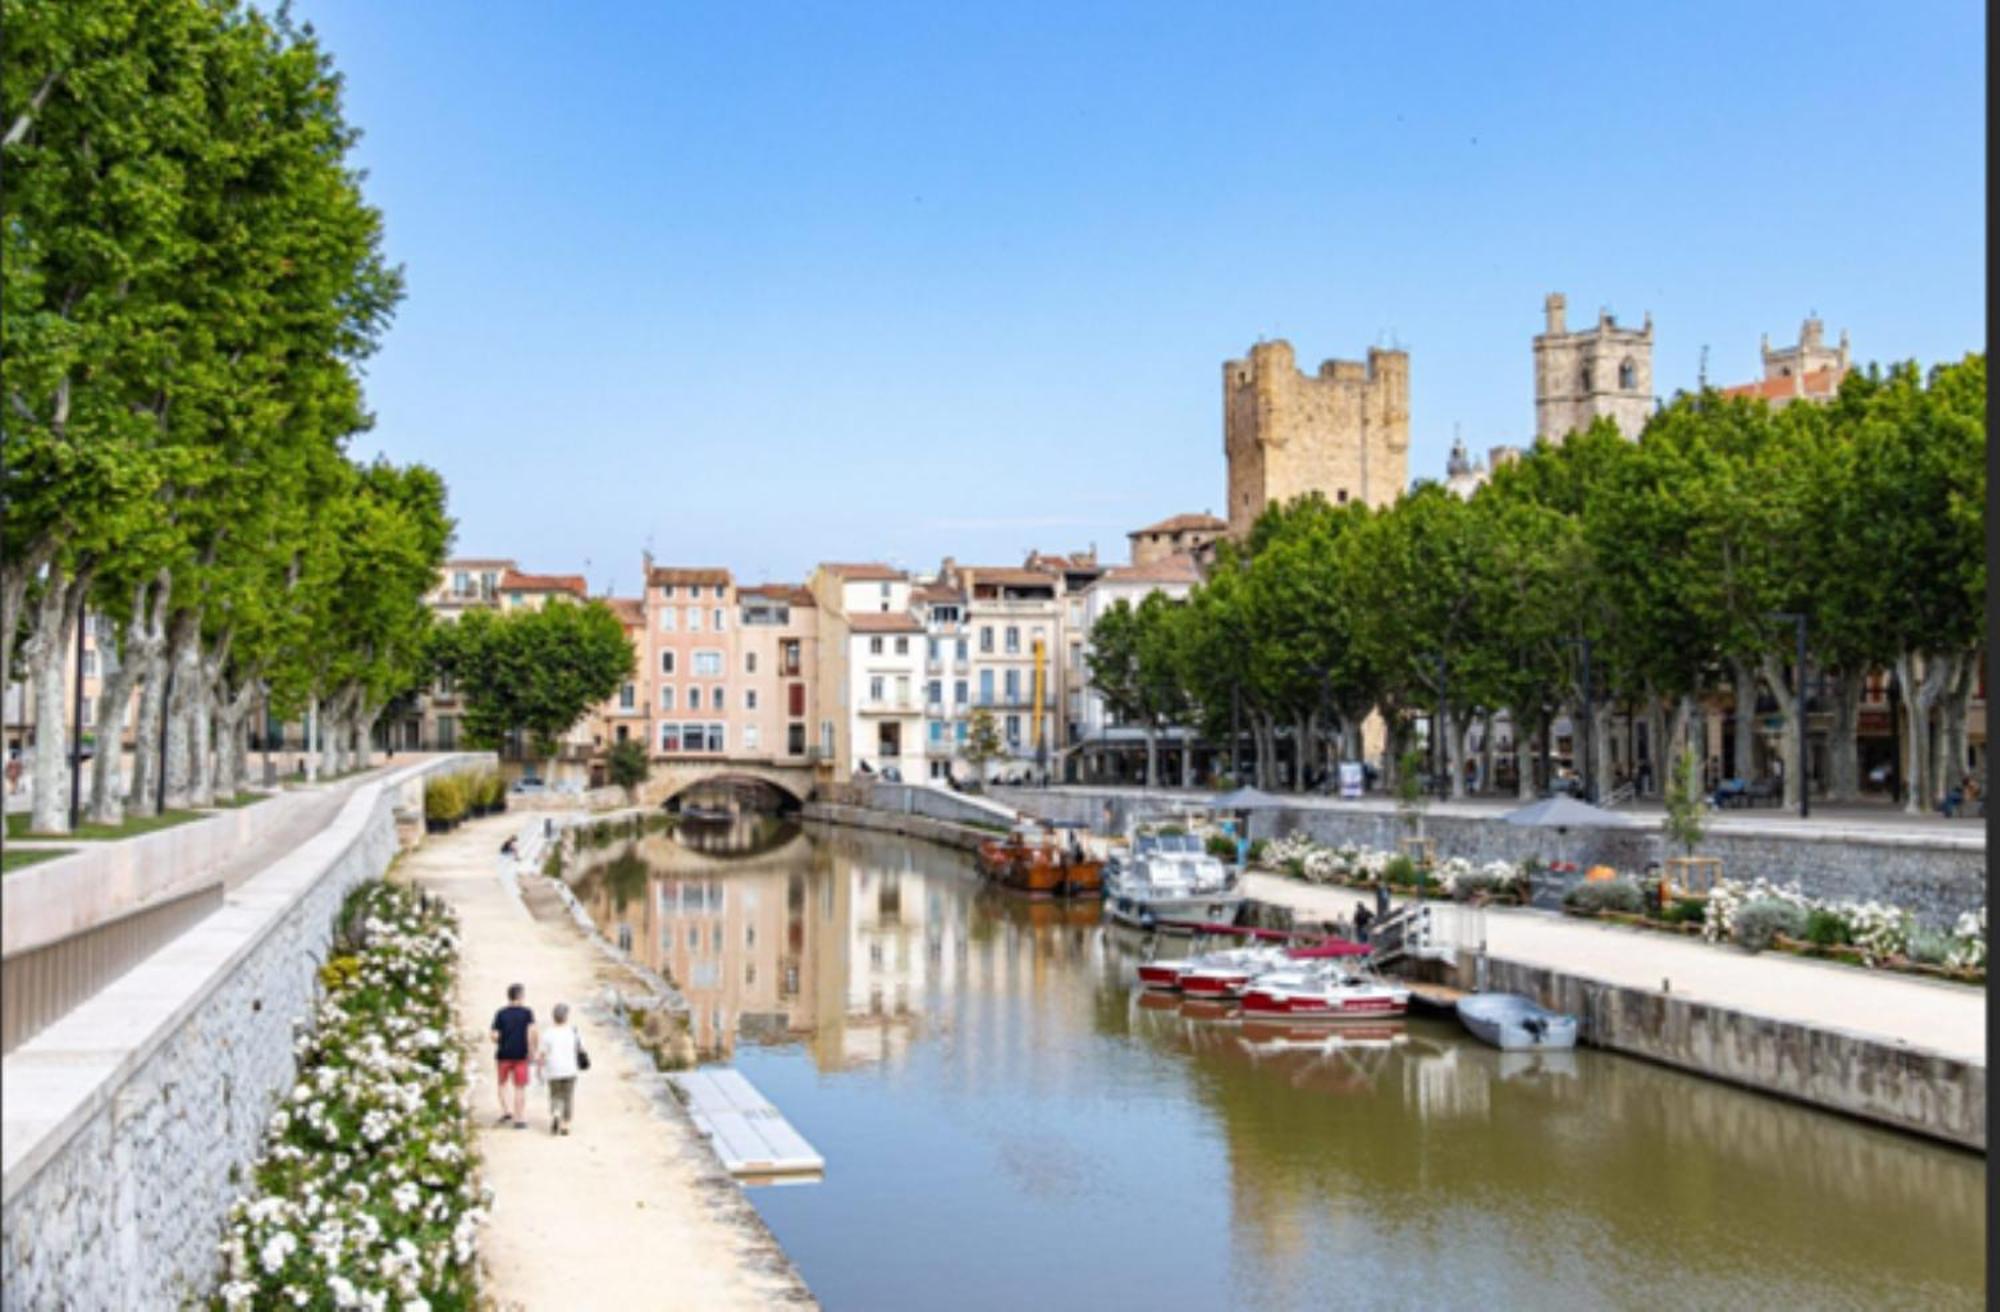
(1009, 1122)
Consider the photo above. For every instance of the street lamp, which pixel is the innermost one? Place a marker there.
(1581, 740)
(1798, 619)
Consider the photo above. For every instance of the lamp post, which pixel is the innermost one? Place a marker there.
(1798, 620)
(1581, 740)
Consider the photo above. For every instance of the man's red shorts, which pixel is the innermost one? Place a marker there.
(517, 1071)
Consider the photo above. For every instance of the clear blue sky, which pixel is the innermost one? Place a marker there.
(763, 284)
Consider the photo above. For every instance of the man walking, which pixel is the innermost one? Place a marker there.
(513, 1052)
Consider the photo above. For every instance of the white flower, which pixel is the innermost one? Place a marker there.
(405, 1196)
(343, 1291)
(278, 1248)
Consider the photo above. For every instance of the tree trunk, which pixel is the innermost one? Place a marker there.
(1658, 759)
(16, 577)
(61, 606)
(313, 730)
(1843, 739)
(1524, 755)
(1792, 741)
(184, 659)
(1152, 756)
(1301, 752)
(1920, 695)
(364, 735)
(144, 794)
(229, 721)
(1746, 720)
(1454, 754)
(119, 665)
(1600, 751)
(1955, 710)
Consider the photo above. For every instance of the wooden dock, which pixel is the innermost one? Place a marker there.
(1441, 998)
(752, 1137)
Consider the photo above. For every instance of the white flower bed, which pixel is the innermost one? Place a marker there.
(367, 1194)
(1880, 930)
(1968, 950)
(1320, 864)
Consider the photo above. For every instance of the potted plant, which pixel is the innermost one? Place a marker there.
(444, 804)
(1686, 875)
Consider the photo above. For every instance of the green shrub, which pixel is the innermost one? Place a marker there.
(494, 787)
(1295, 867)
(1606, 895)
(1221, 846)
(1928, 947)
(444, 799)
(1757, 923)
(1685, 911)
(1256, 852)
(1825, 928)
(1400, 872)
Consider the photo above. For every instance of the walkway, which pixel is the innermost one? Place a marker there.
(629, 1211)
(1943, 1017)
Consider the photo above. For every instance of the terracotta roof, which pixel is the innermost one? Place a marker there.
(515, 581)
(865, 572)
(1010, 576)
(1074, 561)
(935, 592)
(792, 593)
(629, 610)
(895, 621)
(1177, 568)
(463, 562)
(1183, 524)
(1819, 383)
(666, 574)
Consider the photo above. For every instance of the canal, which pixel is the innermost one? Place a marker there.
(1008, 1122)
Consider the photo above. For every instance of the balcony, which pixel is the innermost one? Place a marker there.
(891, 706)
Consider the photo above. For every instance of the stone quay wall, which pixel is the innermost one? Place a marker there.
(1936, 877)
(131, 1123)
(1909, 1089)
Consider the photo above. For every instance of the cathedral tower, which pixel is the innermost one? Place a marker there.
(1603, 370)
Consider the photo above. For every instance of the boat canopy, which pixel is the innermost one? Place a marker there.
(1333, 947)
(1247, 931)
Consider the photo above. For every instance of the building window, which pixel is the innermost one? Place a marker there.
(720, 591)
(961, 653)
(749, 699)
(791, 656)
(749, 662)
(715, 618)
(1583, 378)
(666, 661)
(749, 737)
(669, 619)
(717, 738)
(1628, 376)
(667, 698)
(694, 698)
(670, 737)
(934, 692)
(885, 594)
(514, 598)
(986, 687)
(795, 698)
(958, 696)
(694, 619)
(874, 646)
(937, 732)
(1013, 640)
(1013, 686)
(902, 646)
(708, 663)
(986, 637)
(1340, 497)
(795, 740)
(1013, 731)
(461, 583)
(666, 592)
(931, 649)
(961, 733)
(826, 748)
(875, 688)
(628, 697)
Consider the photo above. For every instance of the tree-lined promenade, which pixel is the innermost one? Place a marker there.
(193, 279)
(1679, 559)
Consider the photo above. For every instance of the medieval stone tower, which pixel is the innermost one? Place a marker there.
(1344, 432)
(1602, 370)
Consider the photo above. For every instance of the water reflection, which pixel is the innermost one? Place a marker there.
(986, 1082)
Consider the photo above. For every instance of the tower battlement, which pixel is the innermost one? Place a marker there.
(1600, 371)
(1343, 432)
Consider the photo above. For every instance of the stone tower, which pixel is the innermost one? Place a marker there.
(1602, 370)
(1811, 356)
(1344, 432)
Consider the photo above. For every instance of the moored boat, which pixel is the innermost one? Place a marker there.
(1165, 881)
(1226, 975)
(1031, 860)
(1512, 1022)
(1323, 991)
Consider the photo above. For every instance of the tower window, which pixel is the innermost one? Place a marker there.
(1583, 378)
(1628, 376)
(1340, 497)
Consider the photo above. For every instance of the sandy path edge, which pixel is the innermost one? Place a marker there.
(632, 1210)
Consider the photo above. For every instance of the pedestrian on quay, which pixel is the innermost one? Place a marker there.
(1363, 917)
(514, 1044)
(562, 1056)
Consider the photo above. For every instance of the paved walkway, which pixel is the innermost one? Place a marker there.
(1943, 1017)
(630, 1210)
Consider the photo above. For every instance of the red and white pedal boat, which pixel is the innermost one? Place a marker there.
(1322, 991)
(1228, 979)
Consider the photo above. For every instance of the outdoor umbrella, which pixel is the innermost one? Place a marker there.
(1563, 814)
(1247, 799)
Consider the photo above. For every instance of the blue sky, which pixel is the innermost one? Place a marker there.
(760, 285)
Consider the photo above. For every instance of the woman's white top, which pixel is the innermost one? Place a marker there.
(559, 1045)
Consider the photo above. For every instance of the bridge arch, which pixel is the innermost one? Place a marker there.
(669, 780)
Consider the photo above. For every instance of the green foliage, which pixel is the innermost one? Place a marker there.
(1621, 895)
(1685, 911)
(1401, 872)
(1683, 824)
(537, 671)
(1221, 845)
(982, 741)
(444, 798)
(626, 765)
(1826, 928)
(1758, 923)
(1926, 947)
(1255, 853)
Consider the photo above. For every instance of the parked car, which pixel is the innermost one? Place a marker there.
(528, 786)
(891, 775)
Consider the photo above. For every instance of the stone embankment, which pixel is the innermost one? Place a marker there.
(632, 1209)
(130, 1120)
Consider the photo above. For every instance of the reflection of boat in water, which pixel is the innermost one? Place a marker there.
(1035, 859)
(1208, 1009)
(706, 815)
(1512, 1021)
(1536, 1067)
(1264, 1037)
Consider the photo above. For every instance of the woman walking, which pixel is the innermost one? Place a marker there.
(562, 1057)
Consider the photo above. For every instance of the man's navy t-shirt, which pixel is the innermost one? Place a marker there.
(512, 1022)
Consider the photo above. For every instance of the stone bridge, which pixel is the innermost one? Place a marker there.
(669, 779)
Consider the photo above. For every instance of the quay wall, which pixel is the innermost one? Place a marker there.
(1910, 1089)
(1937, 877)
(131, 1122)
(944, 832)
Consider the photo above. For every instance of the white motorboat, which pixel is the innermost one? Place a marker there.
(1165, 880)
(1514, 1023)
(1226, 975)
(1322, 991)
